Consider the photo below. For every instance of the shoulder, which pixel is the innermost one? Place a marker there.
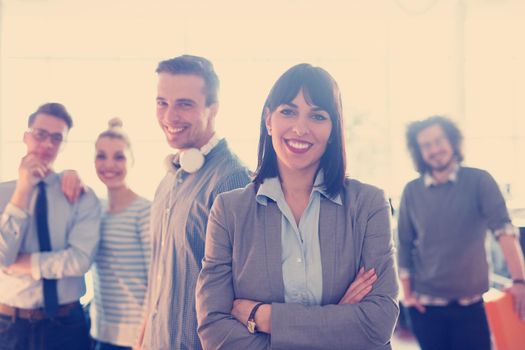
(6, 187)
(362, 199)
(89, 198)
(474, 173)
(142, 203)
(226, 171)
(6, 191)
(357, 190)
(240, 196)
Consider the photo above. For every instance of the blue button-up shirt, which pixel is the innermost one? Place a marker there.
(74, 234)
(301, 252)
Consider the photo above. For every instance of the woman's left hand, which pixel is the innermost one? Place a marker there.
(241, 311)
(72, 185)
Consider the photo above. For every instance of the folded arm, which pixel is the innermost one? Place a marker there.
(217, 328)
(367, 324)
(82, 240)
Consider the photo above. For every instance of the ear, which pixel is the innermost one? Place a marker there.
(267, 120)
(214, 109)
(26, 135)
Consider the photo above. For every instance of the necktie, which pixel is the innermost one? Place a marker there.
(49, 286)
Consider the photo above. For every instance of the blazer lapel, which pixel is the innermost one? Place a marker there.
(330, 227)
(274, 250)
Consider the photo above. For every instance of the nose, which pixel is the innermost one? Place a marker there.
(171, 114)
(300, 127)
(47, 143)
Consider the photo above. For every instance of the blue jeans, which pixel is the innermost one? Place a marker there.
(61, 333)
(107, 346)
(451, 327)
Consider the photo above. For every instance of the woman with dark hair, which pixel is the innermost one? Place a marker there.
(301, 258)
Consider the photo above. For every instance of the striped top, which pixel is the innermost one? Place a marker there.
(120, 274)
(178, 236)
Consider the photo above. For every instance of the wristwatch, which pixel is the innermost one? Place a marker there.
(251, 319)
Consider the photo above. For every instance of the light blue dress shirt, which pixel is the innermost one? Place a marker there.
(74, 234)
(301, 252)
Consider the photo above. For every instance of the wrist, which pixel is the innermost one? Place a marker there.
(518, 281)
(251, 324)
(263, 318)
(21, 196)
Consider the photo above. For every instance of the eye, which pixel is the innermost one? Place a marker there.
(319, 116)
(161, 103)
(57, 138)
(184, 105)
(287, 112)
(120, 157)
(41, 134)
(100, 156)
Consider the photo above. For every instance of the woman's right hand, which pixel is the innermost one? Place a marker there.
(360, 287)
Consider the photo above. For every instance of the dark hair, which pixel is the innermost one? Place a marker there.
(200, 66)
(451, 130)
(53, 109)
(319, 89)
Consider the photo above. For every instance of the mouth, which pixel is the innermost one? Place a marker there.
(298, 146)
(109, 174)
(173, 131)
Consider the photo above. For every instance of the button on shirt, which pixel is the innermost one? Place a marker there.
(74, 234)
(179, 215)
(301, 252)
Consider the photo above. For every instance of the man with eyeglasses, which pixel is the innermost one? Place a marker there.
(443, 219)
(46, 245)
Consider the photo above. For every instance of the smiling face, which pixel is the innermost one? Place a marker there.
(436, 150)
(300, 132)
(111, 161)
(182, 112)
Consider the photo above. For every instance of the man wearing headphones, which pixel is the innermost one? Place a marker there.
(204, 166)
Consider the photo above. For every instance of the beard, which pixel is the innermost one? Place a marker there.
(442, 167)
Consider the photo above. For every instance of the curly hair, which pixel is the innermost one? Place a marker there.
(454, 136)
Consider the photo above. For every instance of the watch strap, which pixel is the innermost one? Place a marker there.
(251, 319)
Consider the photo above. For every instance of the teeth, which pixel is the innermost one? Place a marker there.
(298, 145)
(174, 130)
(109, 174)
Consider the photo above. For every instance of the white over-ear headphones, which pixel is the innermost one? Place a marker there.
(192, 159)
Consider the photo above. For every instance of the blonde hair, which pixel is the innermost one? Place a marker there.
(115, 131)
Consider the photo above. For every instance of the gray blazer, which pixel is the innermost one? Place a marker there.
(243, 260)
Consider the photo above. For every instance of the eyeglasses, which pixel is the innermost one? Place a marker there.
(41, 135)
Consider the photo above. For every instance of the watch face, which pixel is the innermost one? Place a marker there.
(251, 326)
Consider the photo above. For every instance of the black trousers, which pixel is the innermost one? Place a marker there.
(61, 333)
(451, 327)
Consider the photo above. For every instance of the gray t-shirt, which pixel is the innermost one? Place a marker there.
(441, 233)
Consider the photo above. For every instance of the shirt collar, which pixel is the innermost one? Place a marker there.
(429, 181)
(271, 188)
(50, 178)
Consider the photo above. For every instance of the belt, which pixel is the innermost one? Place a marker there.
(35, 314)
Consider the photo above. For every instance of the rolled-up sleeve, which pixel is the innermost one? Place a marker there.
(493, 207)
(12, 223)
